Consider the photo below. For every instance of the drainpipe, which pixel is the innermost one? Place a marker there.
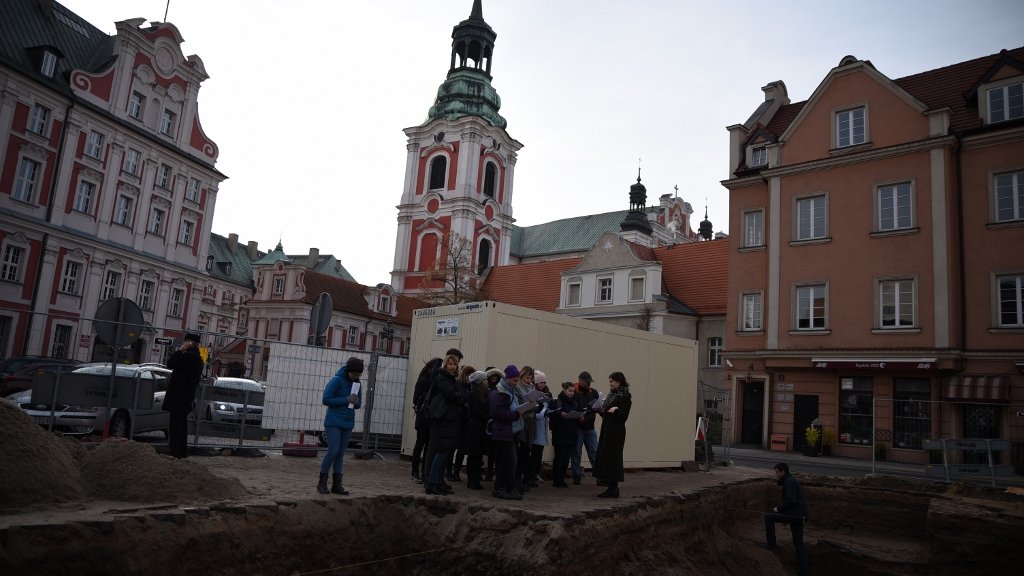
(46, 235)
(961, 259)
(960, 241)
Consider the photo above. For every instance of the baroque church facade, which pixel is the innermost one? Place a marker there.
(612, 267)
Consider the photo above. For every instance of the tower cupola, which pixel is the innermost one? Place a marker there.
(706, 230)
(467, 90)
(636, 219)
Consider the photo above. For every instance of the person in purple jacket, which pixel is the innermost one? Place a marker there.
(506, 420)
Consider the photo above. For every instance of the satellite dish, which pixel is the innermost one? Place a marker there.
(119, 320)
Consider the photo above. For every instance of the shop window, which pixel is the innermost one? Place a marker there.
(912, 417)
(856, 396)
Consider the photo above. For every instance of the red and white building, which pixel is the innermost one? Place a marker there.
(107, 181)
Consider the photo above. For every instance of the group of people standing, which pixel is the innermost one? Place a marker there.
(465, 414)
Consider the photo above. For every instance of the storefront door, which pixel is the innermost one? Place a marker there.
(753, 412)
(805, 410)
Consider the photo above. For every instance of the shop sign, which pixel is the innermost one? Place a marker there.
(875, 364)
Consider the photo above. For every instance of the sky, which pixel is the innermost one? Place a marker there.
(307, 99)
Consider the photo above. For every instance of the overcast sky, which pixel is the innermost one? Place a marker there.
(307, 99)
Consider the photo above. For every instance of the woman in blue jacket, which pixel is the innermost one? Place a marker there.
(341, 418)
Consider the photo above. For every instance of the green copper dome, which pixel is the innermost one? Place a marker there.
(467, 92)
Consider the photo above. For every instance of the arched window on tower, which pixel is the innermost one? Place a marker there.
(428, 251)
(438, 167)
(483, 257)
(490, 180)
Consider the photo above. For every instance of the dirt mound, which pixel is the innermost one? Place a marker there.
(38, 467)
(43, 469)
(133, 472)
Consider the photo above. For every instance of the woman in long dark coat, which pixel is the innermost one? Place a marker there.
(477, 442)
(422, 425)
(446, 404)
(614, 413)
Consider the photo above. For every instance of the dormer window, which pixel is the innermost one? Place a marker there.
(384, 304)
(1006, 102)
(758, 156)
(49, 64)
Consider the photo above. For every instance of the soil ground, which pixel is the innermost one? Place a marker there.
(121, 507)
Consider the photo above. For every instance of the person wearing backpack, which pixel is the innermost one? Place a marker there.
(445, 404)
(422, 423)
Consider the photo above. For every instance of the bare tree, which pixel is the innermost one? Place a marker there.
(645, 316)
(452, 280)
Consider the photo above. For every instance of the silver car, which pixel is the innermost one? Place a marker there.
(231, 412)
(85, 420)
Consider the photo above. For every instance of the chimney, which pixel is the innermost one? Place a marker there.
(232, 243)
(314, 258)
(254, 253)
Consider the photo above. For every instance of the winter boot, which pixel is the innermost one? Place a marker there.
(336, 487)
(611, 492)
(321, 486)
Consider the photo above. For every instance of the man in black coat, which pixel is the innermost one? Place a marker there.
(792, 510)
(186, 368)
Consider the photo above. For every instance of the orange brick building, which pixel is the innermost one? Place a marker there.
(875, 259)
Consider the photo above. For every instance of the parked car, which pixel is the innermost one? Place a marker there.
(16, 372)
(85, 420)
(232, 412)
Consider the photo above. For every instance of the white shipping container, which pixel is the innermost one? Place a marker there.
(661, 370)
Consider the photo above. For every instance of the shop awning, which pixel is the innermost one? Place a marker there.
(978, 388)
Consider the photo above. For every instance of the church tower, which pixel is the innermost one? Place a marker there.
(459, 167)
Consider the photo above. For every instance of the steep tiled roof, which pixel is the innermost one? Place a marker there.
(568, 235)
(645, 253)
(696, 274)
(240, 264)
(945, 87)
(326, 263)
(348, 297)
(26, 24)
(778, 124)
(535, 285)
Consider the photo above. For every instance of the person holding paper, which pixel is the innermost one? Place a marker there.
(343, 397)
(506, 421)
(586, 435)
(614, 412)
(542, 396)
(524, 439)
(563, 433)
